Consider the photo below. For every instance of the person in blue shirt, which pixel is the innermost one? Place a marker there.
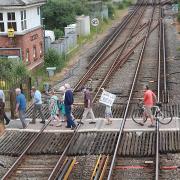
(37, 101)
(21, 106)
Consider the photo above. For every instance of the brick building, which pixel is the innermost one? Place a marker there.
(21, 31)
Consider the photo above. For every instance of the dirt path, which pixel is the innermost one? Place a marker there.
(81, 50)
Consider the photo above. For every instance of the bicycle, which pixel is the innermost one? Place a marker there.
(164, 117)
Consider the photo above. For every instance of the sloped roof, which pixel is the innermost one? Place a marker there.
(20, 2)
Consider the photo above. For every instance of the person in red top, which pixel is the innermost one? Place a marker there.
(149, 101)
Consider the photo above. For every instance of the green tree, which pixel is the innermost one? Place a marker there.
(58, 14)
(58, 33)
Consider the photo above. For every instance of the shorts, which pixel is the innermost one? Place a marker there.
(148, 111)
(108, 115)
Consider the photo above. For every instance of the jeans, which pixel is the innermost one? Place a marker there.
(37, 107)
(70, 122)
(22, 117)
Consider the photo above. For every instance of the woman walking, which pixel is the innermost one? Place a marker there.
(54, 110)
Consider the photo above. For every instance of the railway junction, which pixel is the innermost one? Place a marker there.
(142, 49)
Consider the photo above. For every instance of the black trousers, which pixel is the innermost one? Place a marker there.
(6, 118)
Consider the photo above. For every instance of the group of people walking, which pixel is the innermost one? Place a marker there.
(60, 107)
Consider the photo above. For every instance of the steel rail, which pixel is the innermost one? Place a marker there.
(114, 35)
(120, 63)
(55, 173)
(130, 95)
(106, 46)
(21, 157)
(164, 59)
(96, 65)
(119, 54)
(161, 55)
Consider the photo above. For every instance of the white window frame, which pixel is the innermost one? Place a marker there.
(38, 11)
(23, 20)
(12, 20)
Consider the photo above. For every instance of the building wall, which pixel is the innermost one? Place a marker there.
(33, 39)
(34, 19)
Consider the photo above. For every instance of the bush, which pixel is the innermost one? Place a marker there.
(127, 3)
(20, 69)
(11, 68)
(51, 58)
(178, 17)
(58, 33)
(120, 6)
(54, 59)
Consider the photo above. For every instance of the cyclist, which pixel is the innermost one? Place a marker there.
(149, 101)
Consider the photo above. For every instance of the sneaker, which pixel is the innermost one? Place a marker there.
(67, 127)
(151, 126)
(7, 122)
(31, 122)
(58, 125)
(80, 122)
(92, 122)
(108, 123)
(42, 122)
(73, 127)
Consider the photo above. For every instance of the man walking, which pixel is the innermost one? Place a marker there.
(68, 102)
(2, 96)
(149, 101)
(87, 106)
(21, 106)
(37, 101)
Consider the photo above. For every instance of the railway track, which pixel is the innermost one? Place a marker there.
(136, 34)
(134, 144)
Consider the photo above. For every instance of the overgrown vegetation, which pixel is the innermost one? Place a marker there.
(59, 14)
(12, 69)
(178, 16)
(53, 58)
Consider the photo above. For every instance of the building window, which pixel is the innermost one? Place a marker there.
(1, 23)
(34, 53)
(27, 55)
(23, 20)
(11, 21)
(38, 11)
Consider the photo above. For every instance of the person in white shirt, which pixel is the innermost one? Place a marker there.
(37, 101)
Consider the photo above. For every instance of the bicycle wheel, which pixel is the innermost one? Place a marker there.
(137, 116)
(164, 117)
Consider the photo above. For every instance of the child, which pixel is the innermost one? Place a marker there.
(108, 115)
(61, 103)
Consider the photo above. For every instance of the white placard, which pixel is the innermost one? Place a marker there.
(95, 21)
(107, 98)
